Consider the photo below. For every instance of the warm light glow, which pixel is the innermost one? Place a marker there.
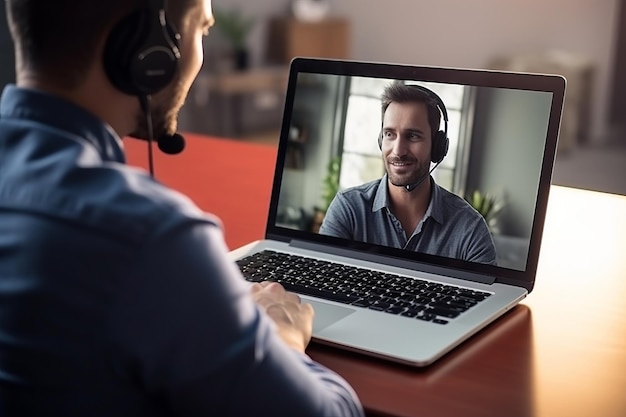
(588, 232)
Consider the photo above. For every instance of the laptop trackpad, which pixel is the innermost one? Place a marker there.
(327, 314)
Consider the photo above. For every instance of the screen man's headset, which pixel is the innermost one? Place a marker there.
(141, 57)
(440, 141)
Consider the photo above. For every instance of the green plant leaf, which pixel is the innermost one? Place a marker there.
(233, 25)
(330, 183)
(487, 205)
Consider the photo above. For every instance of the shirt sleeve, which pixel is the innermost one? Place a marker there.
(188, 332)
(480, 247)
(338, 218)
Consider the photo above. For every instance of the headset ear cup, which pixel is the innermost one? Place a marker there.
(141, 55)
(440, 147)
(157, 61)
(125, 39)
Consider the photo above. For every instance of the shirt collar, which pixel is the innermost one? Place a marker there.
(51, 110)
(435, 206)
(381, 199)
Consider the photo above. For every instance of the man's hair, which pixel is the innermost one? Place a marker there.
(399, 92)
(59, 38)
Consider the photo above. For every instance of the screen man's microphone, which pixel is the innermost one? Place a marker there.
(171, 144)
(414, 185)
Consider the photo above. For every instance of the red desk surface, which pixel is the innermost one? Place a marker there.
(228, 178)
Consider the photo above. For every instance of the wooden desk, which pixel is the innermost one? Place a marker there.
(561, 353)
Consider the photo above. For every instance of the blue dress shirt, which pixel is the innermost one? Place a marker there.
(116, 295)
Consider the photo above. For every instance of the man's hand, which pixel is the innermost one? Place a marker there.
(294, 320)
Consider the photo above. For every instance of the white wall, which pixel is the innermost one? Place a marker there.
(469, 33)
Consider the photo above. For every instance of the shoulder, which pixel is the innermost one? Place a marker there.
(366, 191)
(62, 177)
(136, 204)
(111, 199)
(450, 208)
(454, 206)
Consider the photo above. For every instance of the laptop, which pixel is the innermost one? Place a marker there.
(404, 305)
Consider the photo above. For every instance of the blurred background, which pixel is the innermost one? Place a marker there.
(239, 92)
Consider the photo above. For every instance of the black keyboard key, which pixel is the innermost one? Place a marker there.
(412, 311)
(444, 312)
(395, 310)
(449, 306)
(361, 303)
(472, 295)
(383, 305)
(314, 292)
(425, 316)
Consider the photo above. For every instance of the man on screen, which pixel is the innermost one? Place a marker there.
(406, 208)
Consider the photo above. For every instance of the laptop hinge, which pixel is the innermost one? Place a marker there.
(397, 262)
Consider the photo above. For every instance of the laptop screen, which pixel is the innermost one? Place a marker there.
(341, 157)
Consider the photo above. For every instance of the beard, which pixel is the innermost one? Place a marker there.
(419, 171)
(164, 109)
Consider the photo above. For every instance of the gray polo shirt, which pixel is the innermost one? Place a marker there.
(450, 227)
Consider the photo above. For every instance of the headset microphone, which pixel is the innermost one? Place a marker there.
(412, 186)
(171, 144)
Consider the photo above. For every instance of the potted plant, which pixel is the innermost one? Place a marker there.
(330, 183)
(488, 206)
(235, 28)
(330, 187)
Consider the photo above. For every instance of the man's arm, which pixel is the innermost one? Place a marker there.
(190, 332)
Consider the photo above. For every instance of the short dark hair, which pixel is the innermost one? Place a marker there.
(400, 92)
(59, 38)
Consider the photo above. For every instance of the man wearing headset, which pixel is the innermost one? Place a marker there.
(406, 208)
(116, 295)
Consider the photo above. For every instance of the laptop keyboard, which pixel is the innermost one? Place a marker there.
(391, 293)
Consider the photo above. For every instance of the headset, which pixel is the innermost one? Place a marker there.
(141, 57)
(141, 54)
(440, 141)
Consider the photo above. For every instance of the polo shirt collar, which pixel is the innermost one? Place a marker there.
(435, 206)
(381, 199)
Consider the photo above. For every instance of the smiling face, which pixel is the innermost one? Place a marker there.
(194, 25)
(406, 142)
